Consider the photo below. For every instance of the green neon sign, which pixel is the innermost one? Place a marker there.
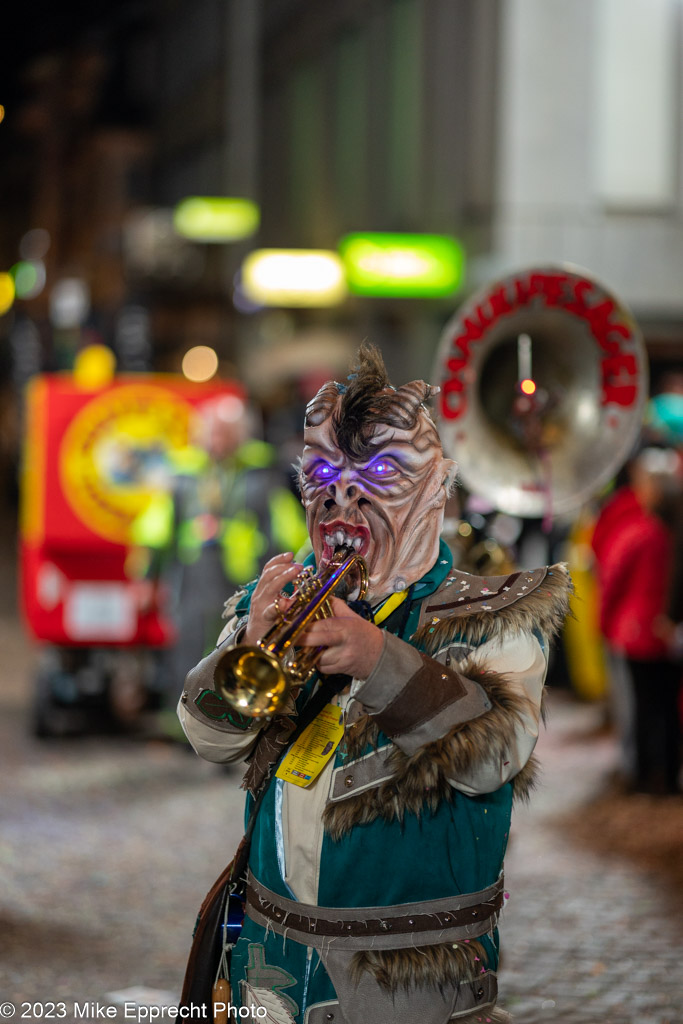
(402, 265)
(216, 218)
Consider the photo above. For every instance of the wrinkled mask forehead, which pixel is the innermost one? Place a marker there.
(421, 438)
(323, 436)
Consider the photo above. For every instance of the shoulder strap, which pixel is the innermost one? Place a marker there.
(330, 686)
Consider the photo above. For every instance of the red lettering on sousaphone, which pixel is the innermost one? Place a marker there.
(619, 368)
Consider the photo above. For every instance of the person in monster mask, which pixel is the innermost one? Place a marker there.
(374, 886)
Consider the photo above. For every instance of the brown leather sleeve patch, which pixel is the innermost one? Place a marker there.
(432, 688)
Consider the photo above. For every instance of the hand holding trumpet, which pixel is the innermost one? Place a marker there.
(353, 645)
(267, 601)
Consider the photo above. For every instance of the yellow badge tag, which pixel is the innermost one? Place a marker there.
(307, 757)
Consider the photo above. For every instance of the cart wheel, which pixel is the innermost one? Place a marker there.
(50, 718)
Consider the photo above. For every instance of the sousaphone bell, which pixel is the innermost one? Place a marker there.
(543, 378)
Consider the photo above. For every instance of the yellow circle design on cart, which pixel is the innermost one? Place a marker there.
(116, 451)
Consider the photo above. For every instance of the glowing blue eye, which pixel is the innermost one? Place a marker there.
(324, 471)
(381, 468)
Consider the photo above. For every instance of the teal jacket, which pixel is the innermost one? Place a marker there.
(417, 801)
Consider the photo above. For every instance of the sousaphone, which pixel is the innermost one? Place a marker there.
(543, 378)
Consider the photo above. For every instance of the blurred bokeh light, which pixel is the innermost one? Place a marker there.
(402, 265)
(216, 218)
(34, 244)
(200, 364)
(29, 278)
(294, 277)
(69, 303)
(94, 367)
(6, 292)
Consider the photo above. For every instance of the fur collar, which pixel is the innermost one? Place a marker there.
(477, 607)
(420, 782)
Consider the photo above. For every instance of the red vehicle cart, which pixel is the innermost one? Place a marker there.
(92, 460)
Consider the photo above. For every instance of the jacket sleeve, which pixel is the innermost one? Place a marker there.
(513, 672)
(479, 716)
(216, 731)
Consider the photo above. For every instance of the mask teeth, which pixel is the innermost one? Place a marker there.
(341, 539)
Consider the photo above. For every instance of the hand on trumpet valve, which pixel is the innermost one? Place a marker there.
(352, 644)
(267, 602)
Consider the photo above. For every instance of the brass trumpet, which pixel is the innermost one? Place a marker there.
(256, 679)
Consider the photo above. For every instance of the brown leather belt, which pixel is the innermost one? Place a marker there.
(375, 925)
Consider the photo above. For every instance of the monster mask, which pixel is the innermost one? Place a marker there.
(373, 475)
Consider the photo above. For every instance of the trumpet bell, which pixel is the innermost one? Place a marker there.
(256, 680)
(252, 680)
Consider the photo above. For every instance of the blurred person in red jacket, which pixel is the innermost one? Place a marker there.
(634, 547)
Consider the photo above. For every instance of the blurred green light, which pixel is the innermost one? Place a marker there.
(216, 218)
(29, 278)
(402, 265)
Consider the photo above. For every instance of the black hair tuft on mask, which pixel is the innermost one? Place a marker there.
(368, 397)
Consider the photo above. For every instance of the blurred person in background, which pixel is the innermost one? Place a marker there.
(634, 544)
(226, 510)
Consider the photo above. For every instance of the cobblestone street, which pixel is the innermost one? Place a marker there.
(593, 928)
(108, 845)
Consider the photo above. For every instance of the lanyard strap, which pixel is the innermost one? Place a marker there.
(330, 686)
(389, 605)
